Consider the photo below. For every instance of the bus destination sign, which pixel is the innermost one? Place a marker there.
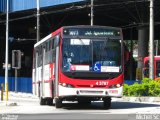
(91, 32)
(99, 33)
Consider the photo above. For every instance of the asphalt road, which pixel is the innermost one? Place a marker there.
(120, 110)
(78, 116)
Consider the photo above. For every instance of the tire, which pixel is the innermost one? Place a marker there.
(58, 102)
(42, 101)
(107, 102)
(49, 101)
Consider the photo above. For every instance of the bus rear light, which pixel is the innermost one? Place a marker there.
(66, 85)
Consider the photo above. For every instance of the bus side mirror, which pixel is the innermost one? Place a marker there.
(56, 42)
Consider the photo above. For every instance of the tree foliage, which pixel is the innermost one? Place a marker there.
(148, 87)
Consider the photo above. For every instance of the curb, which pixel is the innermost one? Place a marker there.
(141, 99)
(8, 103)
(20, 95)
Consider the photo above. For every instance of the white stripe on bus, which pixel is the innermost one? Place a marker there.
(43, 40)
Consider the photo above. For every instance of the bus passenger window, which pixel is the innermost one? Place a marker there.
(40, 56)
(158, 69)
(52, 43)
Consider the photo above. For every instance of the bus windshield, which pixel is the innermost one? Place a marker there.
(156, 68)
(146, 69)
(95, 57)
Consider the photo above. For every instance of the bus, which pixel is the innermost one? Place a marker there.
(156, 67)
(79, 63)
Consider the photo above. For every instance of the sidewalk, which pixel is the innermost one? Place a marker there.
(15, 98)
(141, 99)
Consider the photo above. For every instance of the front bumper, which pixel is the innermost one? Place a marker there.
(90, 92)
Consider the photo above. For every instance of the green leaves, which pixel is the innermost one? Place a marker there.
(148, 87)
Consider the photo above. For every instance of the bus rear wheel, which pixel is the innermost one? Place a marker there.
(107, 102)
(49, 101)
(58, 102)
(42, 101)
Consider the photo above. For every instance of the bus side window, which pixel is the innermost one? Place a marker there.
(39, 56)
(146, 69)
(44, 54)
(56, 40)
(54, 55)
(50, 51)
(53, 51)
(158, 69)
(46, 47)
(52, 43)
(34, 59)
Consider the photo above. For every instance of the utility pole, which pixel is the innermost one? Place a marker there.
(92, 13)
(151, 41)
(131, 54)
(156, 47)
(6, 54)
(38, 21)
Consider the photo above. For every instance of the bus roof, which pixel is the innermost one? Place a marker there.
(147, 58)
(76, 26)
(47, 37)
(89, 26)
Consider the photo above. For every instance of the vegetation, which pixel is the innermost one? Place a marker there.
(148, 87)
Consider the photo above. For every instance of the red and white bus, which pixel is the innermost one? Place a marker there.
(79, 63)
(156, 67)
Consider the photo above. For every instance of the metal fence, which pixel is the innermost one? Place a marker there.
(23, 84)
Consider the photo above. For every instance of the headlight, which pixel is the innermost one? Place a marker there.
(115, 86)
(66, 85)
(118, 85)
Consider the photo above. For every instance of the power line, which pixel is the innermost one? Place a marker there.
(130, 13)
(121, 3)
(46, 13)
(137, 11)
(135, 25)
(73, 7)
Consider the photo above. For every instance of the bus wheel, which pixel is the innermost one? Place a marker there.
(49, 101)
(42, 101)
(58, 103)
(107, 102)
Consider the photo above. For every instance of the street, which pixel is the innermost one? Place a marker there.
(27, 109)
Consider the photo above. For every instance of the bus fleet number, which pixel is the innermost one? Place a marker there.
(101, 83)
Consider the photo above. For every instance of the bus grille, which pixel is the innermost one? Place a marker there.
(90, 92)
